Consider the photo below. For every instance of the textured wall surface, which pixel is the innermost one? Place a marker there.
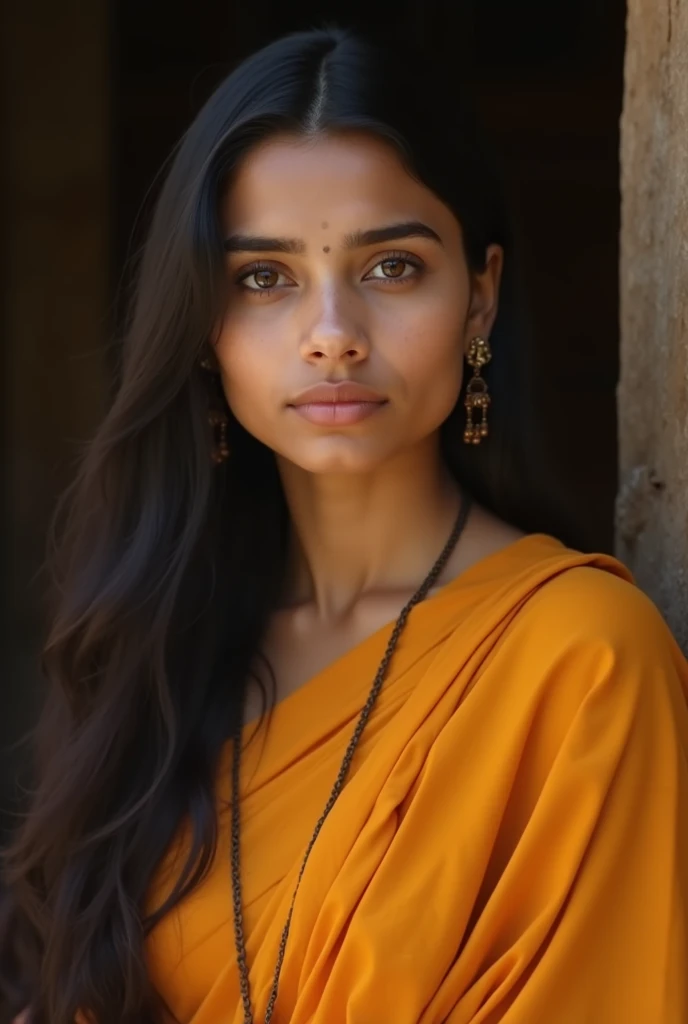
(652, 508)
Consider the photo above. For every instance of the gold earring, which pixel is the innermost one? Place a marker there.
(218, 421)
(477, 397)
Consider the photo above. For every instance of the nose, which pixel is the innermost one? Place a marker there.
(333, 335)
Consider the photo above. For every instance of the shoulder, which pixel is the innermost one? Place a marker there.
(587, 628)
(590, 602)
(587, 651)
(586, 603)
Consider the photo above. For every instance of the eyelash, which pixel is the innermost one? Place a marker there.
(401, 257)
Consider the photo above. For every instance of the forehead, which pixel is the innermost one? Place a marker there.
(301, 182)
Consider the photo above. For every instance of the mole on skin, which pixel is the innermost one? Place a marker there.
(326, 248)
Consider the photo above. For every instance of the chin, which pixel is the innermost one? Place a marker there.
(336, 455)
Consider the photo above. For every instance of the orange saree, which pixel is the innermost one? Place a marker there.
(511, 844)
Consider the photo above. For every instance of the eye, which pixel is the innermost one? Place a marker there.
(393, 268)
(265, 277)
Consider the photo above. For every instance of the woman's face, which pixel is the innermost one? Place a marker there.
(316, 298)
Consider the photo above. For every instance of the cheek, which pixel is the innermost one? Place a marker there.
(430, 360)
(248, 374)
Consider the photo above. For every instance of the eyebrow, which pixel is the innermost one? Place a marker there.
(353, 240)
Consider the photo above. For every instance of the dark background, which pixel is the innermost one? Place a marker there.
(94, 97)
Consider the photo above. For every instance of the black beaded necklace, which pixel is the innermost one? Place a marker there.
(419, 595)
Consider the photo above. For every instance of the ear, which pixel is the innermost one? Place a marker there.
(484, 303)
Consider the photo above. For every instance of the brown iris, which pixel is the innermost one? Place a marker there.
(397, 264)
(260, 275)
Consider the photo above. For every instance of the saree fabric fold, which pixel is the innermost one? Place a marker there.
(511, 844)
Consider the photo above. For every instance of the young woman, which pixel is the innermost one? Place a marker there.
(342, 728)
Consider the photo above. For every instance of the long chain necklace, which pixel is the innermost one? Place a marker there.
(419, 595)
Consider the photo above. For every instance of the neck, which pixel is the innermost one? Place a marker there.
(357, 535)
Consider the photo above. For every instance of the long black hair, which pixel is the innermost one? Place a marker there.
(164, 568)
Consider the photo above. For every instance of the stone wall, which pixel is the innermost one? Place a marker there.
(652, 507)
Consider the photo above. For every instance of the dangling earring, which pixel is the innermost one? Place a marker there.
(218, 421)
(479, 354)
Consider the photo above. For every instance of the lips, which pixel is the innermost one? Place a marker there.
(339, 404)
(342, 392)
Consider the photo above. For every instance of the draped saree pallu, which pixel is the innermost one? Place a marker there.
(512, 841)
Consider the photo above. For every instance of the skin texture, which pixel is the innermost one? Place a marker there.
(371, 503)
